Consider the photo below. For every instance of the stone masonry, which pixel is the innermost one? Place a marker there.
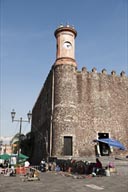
(78, 105)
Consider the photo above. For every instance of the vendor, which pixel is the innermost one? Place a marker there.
(97, 166)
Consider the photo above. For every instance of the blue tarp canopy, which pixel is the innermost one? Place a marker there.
(112, 142)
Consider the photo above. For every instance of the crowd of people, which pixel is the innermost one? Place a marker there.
(7, 169)
(70, 165)
(73, 166)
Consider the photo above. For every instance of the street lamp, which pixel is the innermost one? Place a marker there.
(29, 115)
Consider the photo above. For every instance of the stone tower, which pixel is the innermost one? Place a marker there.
(64, 119)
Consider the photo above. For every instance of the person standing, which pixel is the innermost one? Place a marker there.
(26, 164)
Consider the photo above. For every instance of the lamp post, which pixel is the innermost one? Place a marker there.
(29, 115)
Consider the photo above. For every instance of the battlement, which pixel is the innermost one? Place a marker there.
(103, 73)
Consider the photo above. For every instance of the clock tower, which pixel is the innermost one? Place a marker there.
(65, 45)
(64, 93)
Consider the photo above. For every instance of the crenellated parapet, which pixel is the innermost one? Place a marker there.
(94, 73)
(98, 88)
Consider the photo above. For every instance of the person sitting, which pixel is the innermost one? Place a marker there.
(10, 172)
(43, 166)
(97, 167)
(57, 169)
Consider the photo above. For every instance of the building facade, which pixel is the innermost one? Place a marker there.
(76, 107)
(5, 145)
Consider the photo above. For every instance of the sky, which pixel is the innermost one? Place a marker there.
(28, 47)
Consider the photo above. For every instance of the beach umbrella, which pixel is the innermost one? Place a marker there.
(112, 142)
(5, 156)
(22, 156)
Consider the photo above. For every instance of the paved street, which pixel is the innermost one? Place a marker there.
(53, 182)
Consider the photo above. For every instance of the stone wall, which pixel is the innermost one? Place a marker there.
(87, 104)
(102, 107)
(79, 104)
(41, 121)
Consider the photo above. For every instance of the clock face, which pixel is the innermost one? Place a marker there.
(67, 45)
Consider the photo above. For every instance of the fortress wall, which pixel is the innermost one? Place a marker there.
(102, 107)
(41, 118)
(85, 104)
